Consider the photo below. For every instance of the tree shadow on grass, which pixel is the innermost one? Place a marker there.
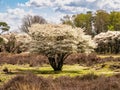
(49, 71)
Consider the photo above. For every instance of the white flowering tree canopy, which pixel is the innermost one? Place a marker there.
(108, 42)
(51, 39)
(59, 41)
(106, 37)
(15, 42)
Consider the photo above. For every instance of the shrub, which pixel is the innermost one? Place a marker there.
(5, 70)
(15, 43)
(108, 42)
(114, 67)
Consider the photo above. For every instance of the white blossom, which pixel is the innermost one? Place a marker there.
(50, 39)
(108, 41)
(22, 40)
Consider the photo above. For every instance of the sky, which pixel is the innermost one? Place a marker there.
(13, 11)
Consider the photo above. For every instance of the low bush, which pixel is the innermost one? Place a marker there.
(108, 42)
(5, 70)
(14, 43)
(114, 67)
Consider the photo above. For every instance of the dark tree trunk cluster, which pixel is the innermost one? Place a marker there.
(57, 61)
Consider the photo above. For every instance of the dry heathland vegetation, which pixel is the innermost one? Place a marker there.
(87, 82)
(45, 79)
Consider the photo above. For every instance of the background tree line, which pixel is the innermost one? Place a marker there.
(93, 24)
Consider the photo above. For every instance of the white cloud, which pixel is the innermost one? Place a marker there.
(50, 3)
(72, 9)
(72, 6)
(55, 18)
(39, 3)
(90, 0)
(14, 17)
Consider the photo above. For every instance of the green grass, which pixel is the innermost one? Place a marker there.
(68, 70)
(46, 70)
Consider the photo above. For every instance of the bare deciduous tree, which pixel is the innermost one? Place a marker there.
(29, 20)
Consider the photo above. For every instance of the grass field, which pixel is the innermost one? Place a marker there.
(46, 70)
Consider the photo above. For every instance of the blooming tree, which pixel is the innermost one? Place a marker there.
(14, 42)
(58, 41)
(108, 42)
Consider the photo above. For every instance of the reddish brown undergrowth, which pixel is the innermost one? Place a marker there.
(87, 82)
(88, 60)
(31, 59)
(34, 60)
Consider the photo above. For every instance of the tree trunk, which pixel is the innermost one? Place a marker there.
(57, 61)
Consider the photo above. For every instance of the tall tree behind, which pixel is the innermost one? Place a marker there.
(79, 20)
(4, 27)
(29, 20)
(101, 21)
(89, 19)
(84, 21)
(67, 20)
(115, 20)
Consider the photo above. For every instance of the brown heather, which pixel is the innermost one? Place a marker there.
(37, 60)
(33, 59)
(87, 82)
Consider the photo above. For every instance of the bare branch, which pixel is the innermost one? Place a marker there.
(29, 20)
